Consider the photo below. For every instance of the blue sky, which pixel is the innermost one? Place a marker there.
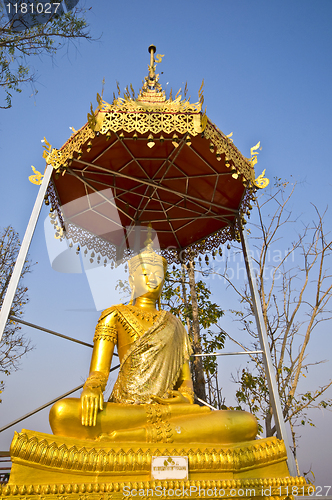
(268, 77)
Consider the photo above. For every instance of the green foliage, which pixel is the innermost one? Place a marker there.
(172, 298)
(208, 313)
(212, 342)
(17, 47)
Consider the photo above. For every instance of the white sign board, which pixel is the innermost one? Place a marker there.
(169, 468)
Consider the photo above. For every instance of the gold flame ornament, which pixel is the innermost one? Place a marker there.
(37, 178)
(204, 120)
(201, 93)
(47, 148)
(91, 118)
(254, 153)
(261, 181)
(158, 58)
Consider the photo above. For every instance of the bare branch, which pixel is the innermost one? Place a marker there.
(295, 294)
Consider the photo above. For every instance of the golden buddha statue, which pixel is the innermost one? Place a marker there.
(101, 448)
(152, 399)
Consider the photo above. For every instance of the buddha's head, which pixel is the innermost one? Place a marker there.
(147, 273)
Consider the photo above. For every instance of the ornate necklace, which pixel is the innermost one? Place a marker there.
(145, 315)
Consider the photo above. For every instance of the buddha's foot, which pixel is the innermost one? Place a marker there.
(105, 437)
(138, 434)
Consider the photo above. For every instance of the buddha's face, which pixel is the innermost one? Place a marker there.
(148, 280)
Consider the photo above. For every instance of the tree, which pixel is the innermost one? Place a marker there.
(13, 344)
(16, 47)
(189, 300)
(295, 288)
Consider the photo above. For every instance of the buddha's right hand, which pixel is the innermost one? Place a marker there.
(92, 401)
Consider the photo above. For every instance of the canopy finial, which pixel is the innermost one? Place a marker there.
(151, 83)
(152, 79)
(152, 67)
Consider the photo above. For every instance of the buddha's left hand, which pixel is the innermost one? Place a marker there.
(175, 399)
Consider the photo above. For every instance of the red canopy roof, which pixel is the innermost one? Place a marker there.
(149, 159)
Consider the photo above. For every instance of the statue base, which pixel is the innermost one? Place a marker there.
(63, 468)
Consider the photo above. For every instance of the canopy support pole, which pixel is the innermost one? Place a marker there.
(22, 255)
(269, 369)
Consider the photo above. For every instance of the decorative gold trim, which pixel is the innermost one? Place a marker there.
(224, 145)
(281, 488)
(159, 433)
(55, 452)
(129, 116)
(59, 158)
(106, 332)
(149, 316)
(157, 413)
(96, 379)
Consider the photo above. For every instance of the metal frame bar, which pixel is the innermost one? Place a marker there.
(48, 404)
(206, 404)
(269, 369)
(192, 177)
(167, 218)
(171, 159)
(199, 215)
(86, 183)
(227, 353)
(22, 255)
(163, 188)
(167, 163)
(52, 332)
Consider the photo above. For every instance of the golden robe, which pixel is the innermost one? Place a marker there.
(152, 365)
